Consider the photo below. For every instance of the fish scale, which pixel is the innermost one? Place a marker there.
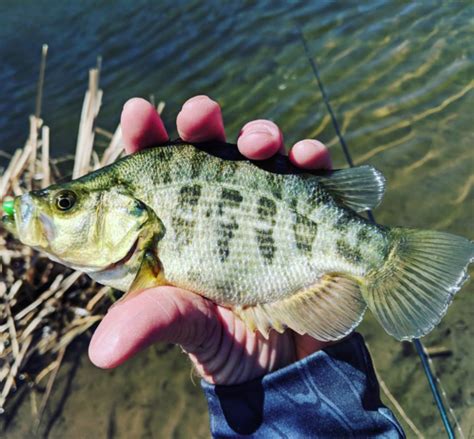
(270, 231)
(220, 277)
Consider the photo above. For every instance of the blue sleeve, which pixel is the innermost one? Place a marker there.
(332, 393)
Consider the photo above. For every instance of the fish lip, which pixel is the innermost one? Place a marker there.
(9, 224)
(24, 216)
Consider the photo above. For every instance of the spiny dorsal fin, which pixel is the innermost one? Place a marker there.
(360, 188)
(328, 310)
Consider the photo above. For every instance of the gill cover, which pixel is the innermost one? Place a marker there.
(87, 230)
(119, 220)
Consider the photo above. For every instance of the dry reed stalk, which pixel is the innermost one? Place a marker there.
(12, 373)
(33, 140)
(161, 107)
(115, 148)
(5, 181)
(43, 305)
(12, 330)
(49, 386)
(85, 138)
(46, 295)
(46, 177)
(39, 91)
(97, 298)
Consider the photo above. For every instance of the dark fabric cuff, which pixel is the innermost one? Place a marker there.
(331, 393)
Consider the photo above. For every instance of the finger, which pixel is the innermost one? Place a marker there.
(141, 125)
(159, 314)
(200, 119)
(260, 139)
(310, 154)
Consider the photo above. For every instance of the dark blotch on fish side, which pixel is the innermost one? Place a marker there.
(225, 235)
(267, 210)
(223, 250)
(321, 196)
(340, 224)
(363, 235)
(188, 199)
(183, 229)
(229, 198)
(189, 195)
(223, 286)
(305, 232)
(163, 173)
(275, 186)
(196, 165)
(230, 170)
(165, 176)
(266, 244)
(348, 252)
(232, 195)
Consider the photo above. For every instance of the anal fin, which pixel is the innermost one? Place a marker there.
(327, 310)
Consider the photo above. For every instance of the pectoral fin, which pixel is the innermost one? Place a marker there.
(150, 274)
(327, 310)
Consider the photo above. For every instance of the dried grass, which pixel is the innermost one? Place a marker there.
(44, 306)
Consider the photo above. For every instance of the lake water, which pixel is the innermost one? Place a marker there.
(400, 79)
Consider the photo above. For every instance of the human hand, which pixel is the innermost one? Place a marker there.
(223, 350)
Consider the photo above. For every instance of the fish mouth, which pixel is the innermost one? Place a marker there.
(9, 219)
(123, 261)
(8, 222)
(27, 223)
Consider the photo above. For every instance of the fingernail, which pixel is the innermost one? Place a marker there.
(310, 154)
(309, 144)
(198, 99)
(260, 127)
(259, 135)
(136, 101)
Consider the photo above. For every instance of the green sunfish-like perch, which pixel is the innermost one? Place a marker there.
(282, 247)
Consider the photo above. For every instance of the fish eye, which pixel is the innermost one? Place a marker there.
(65, 200)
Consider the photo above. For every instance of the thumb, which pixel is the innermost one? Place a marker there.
(164, 314)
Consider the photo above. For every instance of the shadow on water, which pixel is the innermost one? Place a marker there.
(399, 76)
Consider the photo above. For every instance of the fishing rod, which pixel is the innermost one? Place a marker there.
(418, 344)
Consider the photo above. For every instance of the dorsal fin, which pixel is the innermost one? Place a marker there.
(360, 188)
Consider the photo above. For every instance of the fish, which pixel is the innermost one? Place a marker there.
(280, 246)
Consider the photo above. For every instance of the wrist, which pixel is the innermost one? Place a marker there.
(306, 345)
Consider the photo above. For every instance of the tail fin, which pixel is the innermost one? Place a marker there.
(413, 290)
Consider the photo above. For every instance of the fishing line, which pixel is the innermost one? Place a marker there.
(418, 344)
